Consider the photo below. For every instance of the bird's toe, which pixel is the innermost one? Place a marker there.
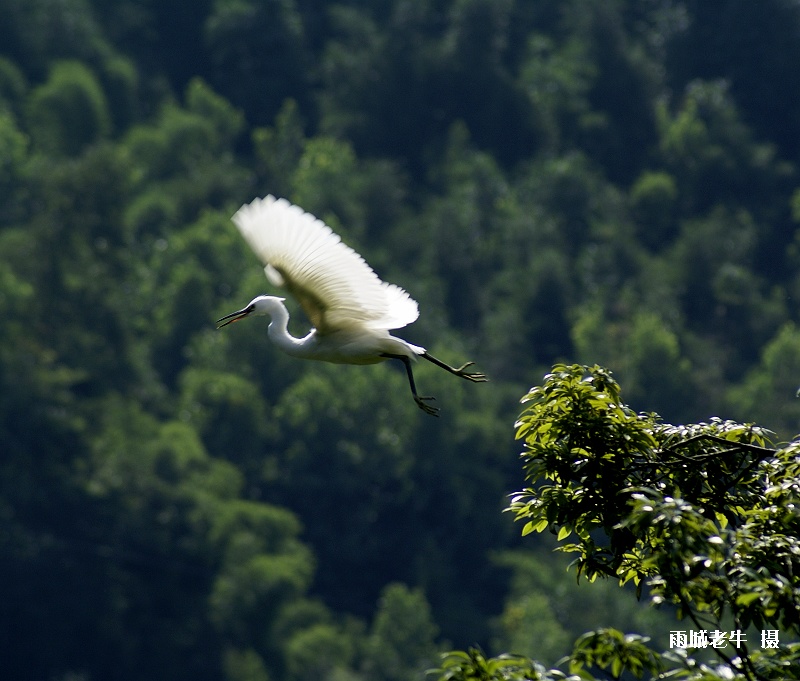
(474, 376)
(427, 408)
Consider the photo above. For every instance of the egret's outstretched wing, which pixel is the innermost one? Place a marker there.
(334, 284)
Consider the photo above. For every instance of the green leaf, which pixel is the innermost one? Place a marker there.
(747, 598)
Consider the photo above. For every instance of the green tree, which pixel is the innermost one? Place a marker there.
(263, 42)
(229, 567)
(703, 515)
(69, 111)
(711, 151)
(478, 86)
(723, 297)
(183, 159)
(653, 199)
(558, 78)
(460, 223)
(712, 42)
(318, 652)
(14, 146)
(546, 609)
(34, 33)
(278, 149)
(769, 391)
(13, 87)
(360, 65)
(401, 643)
(644, 350)
(80, 265)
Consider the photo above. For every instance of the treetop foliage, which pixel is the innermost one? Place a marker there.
(705, 516)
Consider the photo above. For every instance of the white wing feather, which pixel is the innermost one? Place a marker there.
(336, 287)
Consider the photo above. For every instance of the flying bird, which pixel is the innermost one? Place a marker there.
(350, 308)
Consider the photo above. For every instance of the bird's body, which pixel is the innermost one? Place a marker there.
(354, 345)
(351, 309)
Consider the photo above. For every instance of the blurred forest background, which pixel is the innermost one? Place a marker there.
(610, 181)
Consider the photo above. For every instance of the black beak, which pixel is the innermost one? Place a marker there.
(234, 316)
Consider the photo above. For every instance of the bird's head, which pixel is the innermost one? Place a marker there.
(258, 307)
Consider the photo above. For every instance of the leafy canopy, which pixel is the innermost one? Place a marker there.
(706, 516)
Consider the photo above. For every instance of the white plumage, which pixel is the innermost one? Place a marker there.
(351, 309)
(332, 282)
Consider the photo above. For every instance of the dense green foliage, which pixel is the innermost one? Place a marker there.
(706, 516)
(580, 180)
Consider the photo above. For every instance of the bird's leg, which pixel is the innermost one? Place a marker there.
(474, 376)
(427, 408)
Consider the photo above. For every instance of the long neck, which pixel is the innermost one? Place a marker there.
(278, 331)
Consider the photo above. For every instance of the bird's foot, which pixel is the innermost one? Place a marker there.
(427, 408)
(474, 376)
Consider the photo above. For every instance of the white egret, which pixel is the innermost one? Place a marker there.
(350, 308)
